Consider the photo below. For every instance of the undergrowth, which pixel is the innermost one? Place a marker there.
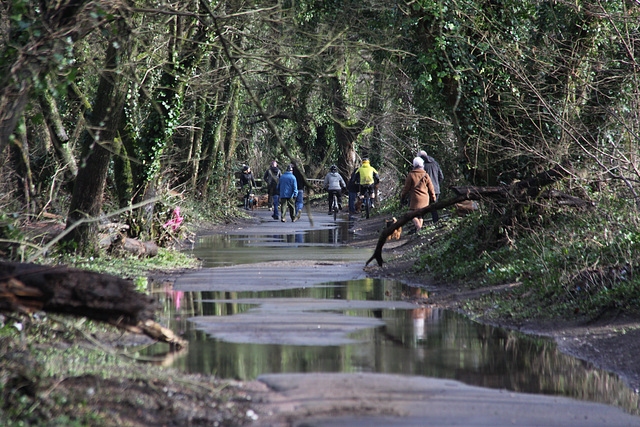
(62, 370)
(567, 264)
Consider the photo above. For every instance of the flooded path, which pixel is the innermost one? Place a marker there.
(278, 298)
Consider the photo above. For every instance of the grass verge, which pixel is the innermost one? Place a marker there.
(571, 263)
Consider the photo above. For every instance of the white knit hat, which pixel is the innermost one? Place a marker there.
(418, 163)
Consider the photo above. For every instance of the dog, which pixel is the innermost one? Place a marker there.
(261, 200)
(253, 201)
(397, 232)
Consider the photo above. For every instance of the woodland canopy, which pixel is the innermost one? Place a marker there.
(111, 105)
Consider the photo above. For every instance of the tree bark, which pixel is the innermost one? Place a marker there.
(23, 167)
(59, 136)
(197, 143)
(346, 134)
(231, 133)
(123, 176)
(387, 231)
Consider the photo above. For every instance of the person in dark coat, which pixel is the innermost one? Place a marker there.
(432, 167)
(246, 179)
(353, 187)
(271, 178)
(300, 197)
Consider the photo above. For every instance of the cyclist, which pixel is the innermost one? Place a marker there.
(367, 177)
(334, 184)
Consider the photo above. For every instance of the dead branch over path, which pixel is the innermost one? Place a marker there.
(520, 192)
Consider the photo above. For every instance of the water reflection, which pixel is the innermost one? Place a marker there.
(417, 340)
(421, 341)
(316, 244)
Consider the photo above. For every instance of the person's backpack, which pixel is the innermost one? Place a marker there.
(272, 179)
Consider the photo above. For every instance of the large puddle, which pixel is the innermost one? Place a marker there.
(298, 301)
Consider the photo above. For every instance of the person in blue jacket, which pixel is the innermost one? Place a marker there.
(288, 191)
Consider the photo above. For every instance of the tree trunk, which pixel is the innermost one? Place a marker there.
(375, 113)
(23, 167)
(59, 136)
(214, 142)
(122, 175)
(346, 134)
(86, 202)
(197, 142)
(31, 287)
(231, 134)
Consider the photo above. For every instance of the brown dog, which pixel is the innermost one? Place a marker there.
(396, 233)
(253, 201)
(358, 205)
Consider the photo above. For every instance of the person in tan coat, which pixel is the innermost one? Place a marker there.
(419, 188)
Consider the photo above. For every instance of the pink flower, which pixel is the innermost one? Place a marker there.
(175, 221)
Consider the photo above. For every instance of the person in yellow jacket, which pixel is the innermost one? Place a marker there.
(367, 177)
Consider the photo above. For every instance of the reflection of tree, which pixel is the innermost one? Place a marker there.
(167, 358)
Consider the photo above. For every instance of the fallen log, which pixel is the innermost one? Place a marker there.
(27, 288)
(120, 243)
(520, 190)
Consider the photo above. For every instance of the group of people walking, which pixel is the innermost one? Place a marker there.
(286, 190)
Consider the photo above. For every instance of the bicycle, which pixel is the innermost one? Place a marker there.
(334, 206)
(366, 202)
